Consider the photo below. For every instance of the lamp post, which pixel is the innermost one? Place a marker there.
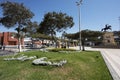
(119, 23)
(119, 28)
(80, 42)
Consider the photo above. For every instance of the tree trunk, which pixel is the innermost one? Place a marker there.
(19, 40)
(83, 45)
(19, 45)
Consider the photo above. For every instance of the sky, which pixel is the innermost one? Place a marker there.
(94, 14)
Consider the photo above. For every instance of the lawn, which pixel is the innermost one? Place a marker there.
(85, 65)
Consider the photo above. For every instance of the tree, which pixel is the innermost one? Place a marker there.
(92, 36)
(55, 22)
(15, 14)
(32, 28)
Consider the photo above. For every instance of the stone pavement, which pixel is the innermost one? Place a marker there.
(6, 52)
(111, 58)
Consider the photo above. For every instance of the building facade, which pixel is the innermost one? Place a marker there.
(7, 38)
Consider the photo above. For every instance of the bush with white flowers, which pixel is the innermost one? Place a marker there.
(20, 58)
(42, 61)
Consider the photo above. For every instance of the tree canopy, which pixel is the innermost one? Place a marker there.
(55, 22)
(32, 28)
(15, 14)
(87, 34)
(41, 36)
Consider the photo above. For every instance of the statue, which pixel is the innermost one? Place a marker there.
(107, 27)
(108, 38)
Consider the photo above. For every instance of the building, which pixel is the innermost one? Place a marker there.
(117, 37)
(8, 39)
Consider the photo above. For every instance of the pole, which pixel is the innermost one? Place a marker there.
(119, 23)
(119, 29)
(79, 28)
(80, 42)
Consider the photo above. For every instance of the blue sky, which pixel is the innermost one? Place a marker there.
(94, 13)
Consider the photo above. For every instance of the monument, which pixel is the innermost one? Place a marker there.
(108, 37)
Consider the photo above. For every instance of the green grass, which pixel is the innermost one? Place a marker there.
(80, 66)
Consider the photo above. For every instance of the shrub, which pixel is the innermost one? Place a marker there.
(60, 49)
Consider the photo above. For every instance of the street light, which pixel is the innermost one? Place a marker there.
(119, 23)
(78, 4)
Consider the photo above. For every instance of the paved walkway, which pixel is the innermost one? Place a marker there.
(112, 59)
(6, 52)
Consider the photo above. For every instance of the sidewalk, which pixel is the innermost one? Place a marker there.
(112, 59)
(6, 52)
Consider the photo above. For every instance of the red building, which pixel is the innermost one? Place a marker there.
(8, 38)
